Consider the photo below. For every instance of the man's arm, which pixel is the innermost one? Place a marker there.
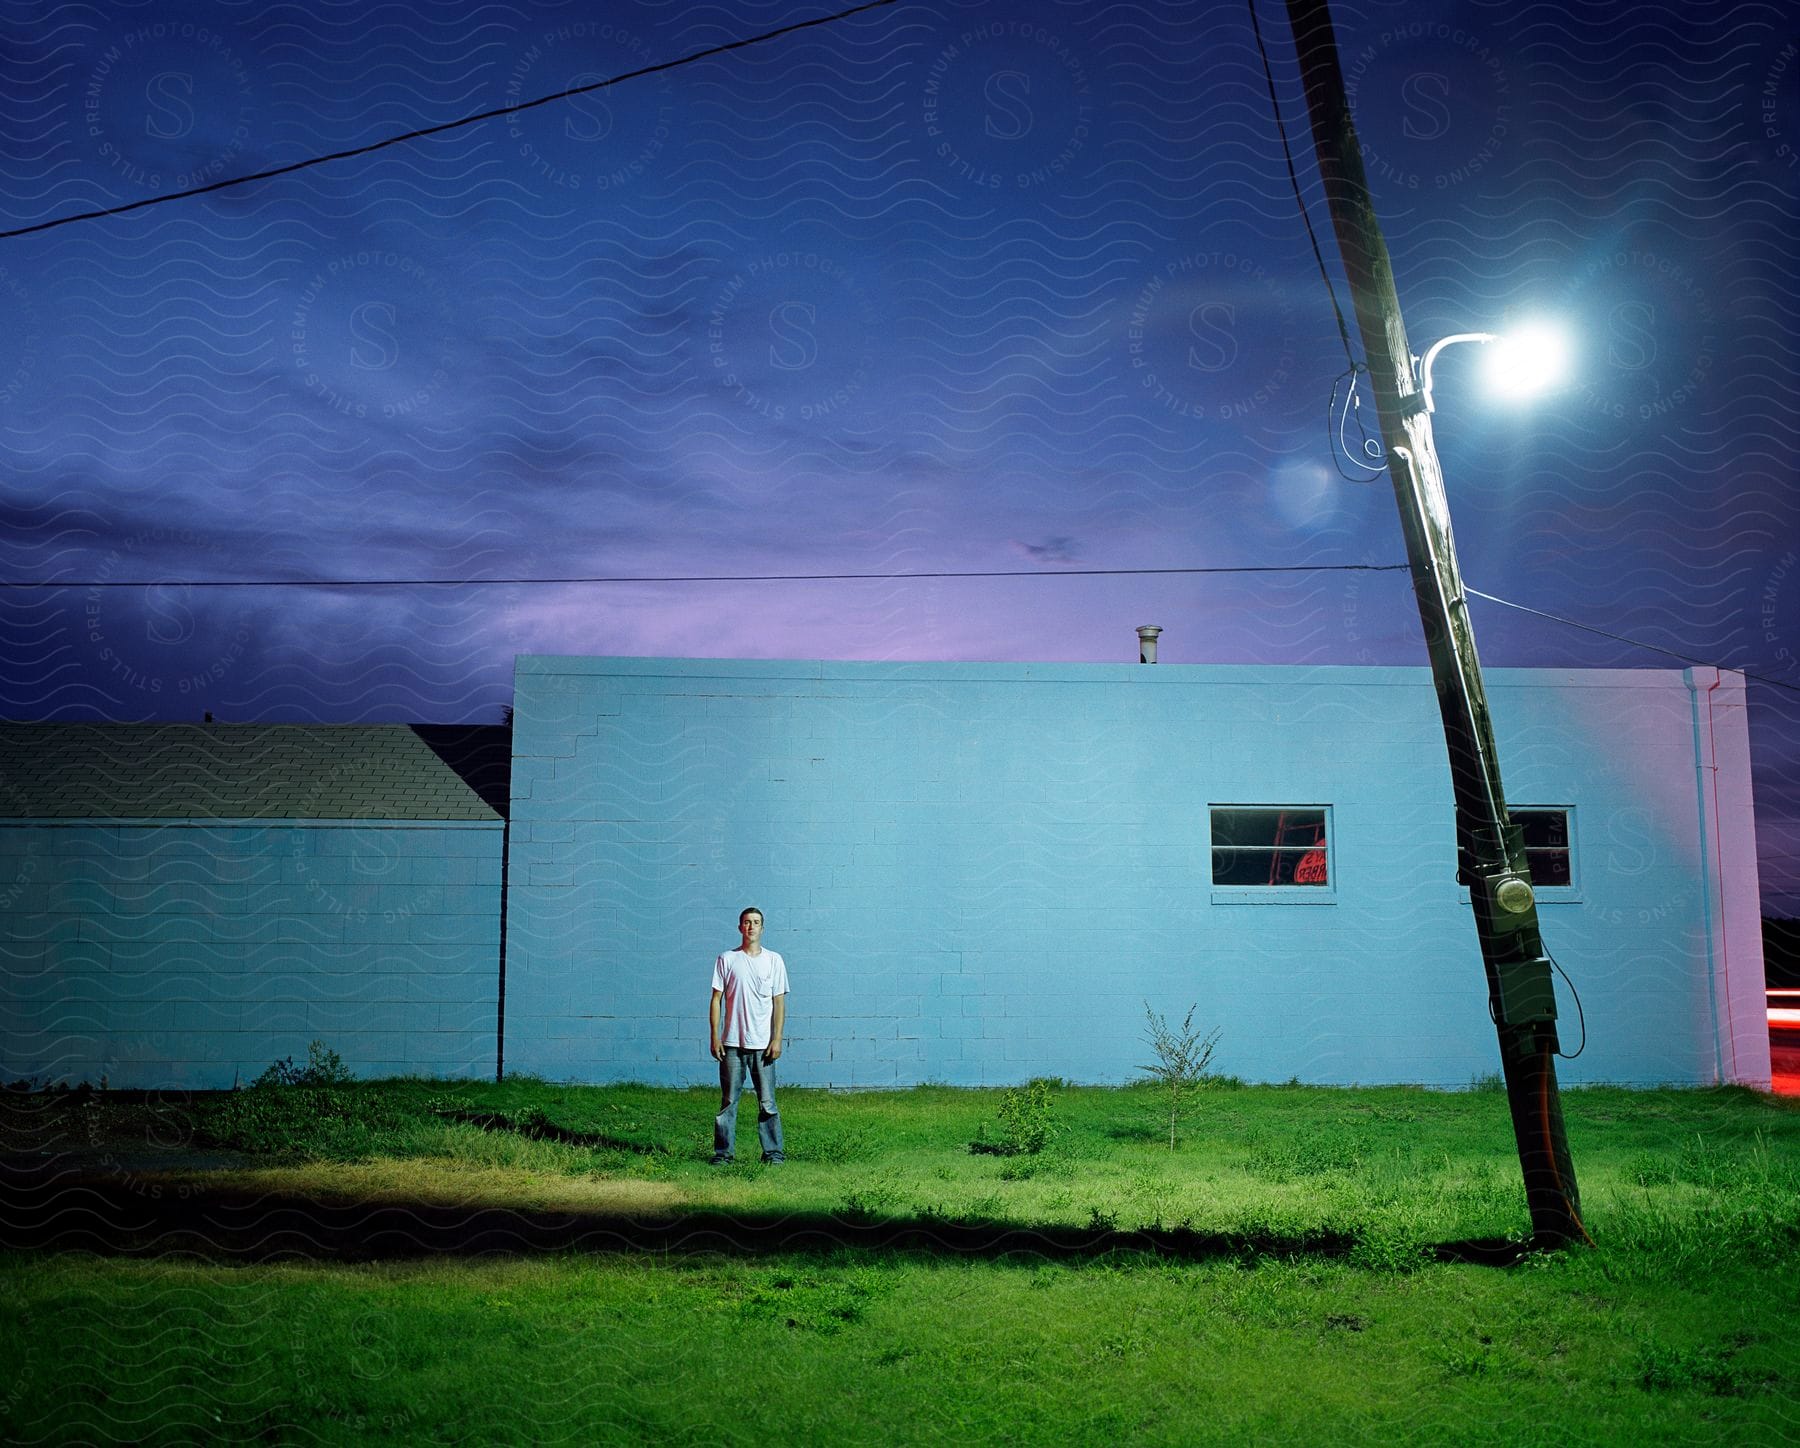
(713, 1022)
(775, 1026)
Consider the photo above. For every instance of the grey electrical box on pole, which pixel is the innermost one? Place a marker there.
(1490, 849)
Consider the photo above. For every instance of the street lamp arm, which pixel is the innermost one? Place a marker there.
(1438, 346)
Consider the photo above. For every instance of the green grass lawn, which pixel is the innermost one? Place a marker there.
(421, 1261)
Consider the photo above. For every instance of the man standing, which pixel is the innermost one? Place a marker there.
(749, 1010)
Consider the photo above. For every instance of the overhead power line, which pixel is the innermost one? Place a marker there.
(1621, 638)
(58, 583)
(579, 580)
(408, 136)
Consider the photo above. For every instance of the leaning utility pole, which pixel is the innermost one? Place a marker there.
(1490, 848)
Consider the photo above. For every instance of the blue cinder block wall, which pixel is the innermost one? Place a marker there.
(192, 954)
(979, 873)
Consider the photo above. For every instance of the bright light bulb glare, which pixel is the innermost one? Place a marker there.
(1527, 360)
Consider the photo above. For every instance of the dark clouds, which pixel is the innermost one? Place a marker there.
(943, 287)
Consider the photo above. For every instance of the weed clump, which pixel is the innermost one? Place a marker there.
(871, 1199)
(324, 1067)
(1027, 1121)
(306, 1111)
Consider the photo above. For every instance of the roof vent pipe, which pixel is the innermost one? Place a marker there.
(1147, 633)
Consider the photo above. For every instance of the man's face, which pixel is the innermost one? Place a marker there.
(750, 927)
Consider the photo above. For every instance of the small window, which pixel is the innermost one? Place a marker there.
(1547, 852)
(1264, 845)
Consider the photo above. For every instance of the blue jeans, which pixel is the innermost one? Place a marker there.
(732, 1065)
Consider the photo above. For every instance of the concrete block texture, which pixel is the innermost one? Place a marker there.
(983, 872)
(224, 946)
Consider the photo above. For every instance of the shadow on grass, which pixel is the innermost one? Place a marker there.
(43, 1208)
(1144, 1134)
(1482, 1251)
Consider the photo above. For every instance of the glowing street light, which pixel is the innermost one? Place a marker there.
(1521, 362)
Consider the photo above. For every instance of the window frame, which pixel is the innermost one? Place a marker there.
(1551, 894)
(1569, 894)
(1326, 894)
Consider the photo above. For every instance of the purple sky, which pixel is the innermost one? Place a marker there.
(944, 287)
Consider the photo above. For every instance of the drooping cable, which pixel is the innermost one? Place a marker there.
(1337, 426)
(1580, 1015)
(1294, 179)
(438, 130)
(1334, 432)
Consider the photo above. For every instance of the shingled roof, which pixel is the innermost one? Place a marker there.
(253, 771)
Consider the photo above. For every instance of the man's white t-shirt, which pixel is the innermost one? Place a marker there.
(750, 984)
